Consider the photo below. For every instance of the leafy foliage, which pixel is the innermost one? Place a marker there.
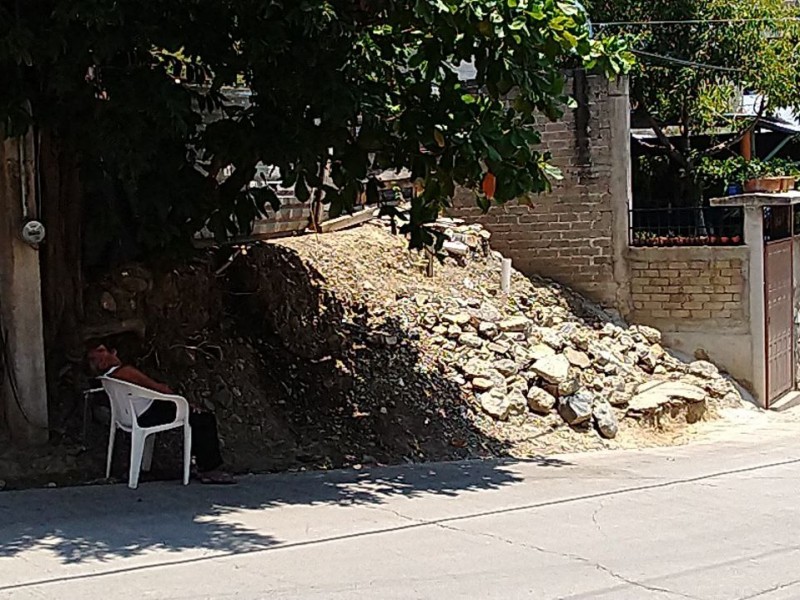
(340, 89)
(692, 74)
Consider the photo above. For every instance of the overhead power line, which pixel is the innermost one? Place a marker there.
(696, 21)
(686, 63)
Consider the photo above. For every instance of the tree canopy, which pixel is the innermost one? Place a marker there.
(696, 59)
(339, 87)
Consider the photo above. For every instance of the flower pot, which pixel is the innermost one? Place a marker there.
(713, 240)
(769, 185)
(737, 239)
(734, 189)
(788, 183)
(724, 240)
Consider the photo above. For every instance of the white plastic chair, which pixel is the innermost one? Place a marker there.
(123, 416)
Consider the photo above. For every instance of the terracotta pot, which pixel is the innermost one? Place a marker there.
(724, 239)
(713, 240)
(769, 185)
(737, 239)
(788, 183)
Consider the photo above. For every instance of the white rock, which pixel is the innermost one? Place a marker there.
(540, 351)
(605, 419)
(477, 368)
(652, 395)
(488, 330)
(506, 366)
(470, 339)
(577, 358)
(702, 368)
(482, 384)
(515, 324)
(553, 369)
(577, 409)
(460, 319)
(540, 401)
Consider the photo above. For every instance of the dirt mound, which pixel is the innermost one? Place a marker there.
(334, 350)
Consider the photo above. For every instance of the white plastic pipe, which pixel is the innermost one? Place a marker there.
(505, 278)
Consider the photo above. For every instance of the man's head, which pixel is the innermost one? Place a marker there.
(101, 359)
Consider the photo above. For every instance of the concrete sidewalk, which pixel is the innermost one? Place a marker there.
(713, 521)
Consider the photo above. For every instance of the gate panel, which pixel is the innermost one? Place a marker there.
(779, 293)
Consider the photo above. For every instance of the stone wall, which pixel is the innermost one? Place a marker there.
(576, 233)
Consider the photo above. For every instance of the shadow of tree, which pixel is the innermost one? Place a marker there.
(103, 523)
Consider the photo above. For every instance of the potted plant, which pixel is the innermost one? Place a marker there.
(770, 176)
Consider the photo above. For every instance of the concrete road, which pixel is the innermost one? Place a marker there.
(709, 521)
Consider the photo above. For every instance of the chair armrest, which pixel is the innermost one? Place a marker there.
(181, 403)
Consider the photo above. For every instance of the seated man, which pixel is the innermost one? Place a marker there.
(205, 441)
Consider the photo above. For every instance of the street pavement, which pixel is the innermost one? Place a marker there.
(719, 519)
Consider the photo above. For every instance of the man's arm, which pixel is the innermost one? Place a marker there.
(136, 377)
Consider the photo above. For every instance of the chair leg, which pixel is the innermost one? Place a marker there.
(147, 459)
(137, 452)
(112, 434)
(187, 452)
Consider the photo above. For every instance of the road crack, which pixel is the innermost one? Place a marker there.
(565, 555)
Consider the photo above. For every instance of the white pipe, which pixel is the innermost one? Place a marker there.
(505, 279)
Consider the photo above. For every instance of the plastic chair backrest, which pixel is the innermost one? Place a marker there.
(120, 393)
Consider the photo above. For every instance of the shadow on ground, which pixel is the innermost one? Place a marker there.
(102, 523)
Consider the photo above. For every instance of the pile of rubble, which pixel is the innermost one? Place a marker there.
(538, 351)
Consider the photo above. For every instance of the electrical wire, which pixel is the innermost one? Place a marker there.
(696, 21)
(8, 370)
(686, 63)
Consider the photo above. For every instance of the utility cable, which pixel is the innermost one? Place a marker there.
(686, 63)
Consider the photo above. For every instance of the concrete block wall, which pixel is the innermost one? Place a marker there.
(575, 234)
(690, 286)
(701, 300)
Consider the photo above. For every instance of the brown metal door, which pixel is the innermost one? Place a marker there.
(779, 293)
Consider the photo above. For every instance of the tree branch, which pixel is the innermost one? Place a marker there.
(746, 131)
(663, 138)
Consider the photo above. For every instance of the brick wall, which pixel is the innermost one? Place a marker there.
(686, 289)
(568, 235)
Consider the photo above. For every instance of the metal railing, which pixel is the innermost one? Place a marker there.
(655, 227)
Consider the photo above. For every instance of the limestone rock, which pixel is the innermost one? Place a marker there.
(488, 330)
(569, 387)
(477, 368)
(506, 366)
(552, 338)
(460, 319)
(500, 405)
(605, 419)
(653, 395)
(652, 335)
(470, 339)
(577, 358)
(705, 369)
(577, 409)
(498, 347)
(515, 324)
(540, 351)
(482, 384)
(553, 369)
(540, 401)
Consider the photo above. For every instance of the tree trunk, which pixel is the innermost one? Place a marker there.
(62, 282)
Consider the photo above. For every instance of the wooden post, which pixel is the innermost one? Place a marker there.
(746, 146)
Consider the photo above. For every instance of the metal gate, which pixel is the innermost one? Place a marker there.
(778, 290)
